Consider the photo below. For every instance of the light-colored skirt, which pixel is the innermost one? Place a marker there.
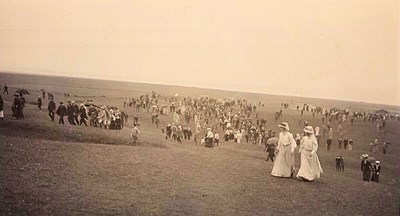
(284, 162)
(310, 167)
(2, 114)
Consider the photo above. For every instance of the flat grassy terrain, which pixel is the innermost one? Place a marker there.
(48, 169)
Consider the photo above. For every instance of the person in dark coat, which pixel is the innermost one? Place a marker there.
(376, 171)
(76, 110)
(39, 102)
(51, 108)
(271, 151)
(17, 107)
(366, 167)
(23, 101)
(71, 113)
(61, 111)
(83, 115)
(5, 90)
(1, 108)
(43, 94)
(339, 163)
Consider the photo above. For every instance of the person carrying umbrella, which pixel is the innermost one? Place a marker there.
(17, 107)
(366, 166)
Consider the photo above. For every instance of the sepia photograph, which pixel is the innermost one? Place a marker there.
(200, 107)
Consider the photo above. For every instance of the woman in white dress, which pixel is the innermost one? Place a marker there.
(284, 163)
(310, 167)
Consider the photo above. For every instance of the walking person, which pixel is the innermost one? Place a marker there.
(284, 163)
(83, 114)
(135, 133)
(329, 140)
(376, 169)
(17, 107)
(5, 89)
(39, 101)
(61, 111)
(310, 167)
(366, 167)
(51, 108)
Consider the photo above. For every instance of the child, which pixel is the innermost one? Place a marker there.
(216, 139)
(135, 132)
(350, 144)
(340, 142)
(339, 163)
(271, 151)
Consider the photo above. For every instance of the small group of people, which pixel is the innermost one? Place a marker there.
(284, 165)
(371, 168)
(18, 106)
(375, 146)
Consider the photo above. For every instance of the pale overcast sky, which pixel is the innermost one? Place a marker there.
(344, 49)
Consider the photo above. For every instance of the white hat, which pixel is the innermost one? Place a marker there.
(284, 125)
(377, 162)
(309, 130)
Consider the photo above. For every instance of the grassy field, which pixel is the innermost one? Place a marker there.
(47, 169)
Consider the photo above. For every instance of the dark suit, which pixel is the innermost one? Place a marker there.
(51, 108)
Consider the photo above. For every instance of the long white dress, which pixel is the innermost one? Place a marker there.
(284, 162)
(310, 167)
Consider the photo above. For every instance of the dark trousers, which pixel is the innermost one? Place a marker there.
(61, 120)
(271, 156)
(51, 114)
(328, 144)
(71, 119)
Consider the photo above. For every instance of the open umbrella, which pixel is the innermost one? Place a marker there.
(22, 91)
(371, 159)
(273, 140)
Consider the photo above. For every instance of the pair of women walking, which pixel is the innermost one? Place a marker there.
(310, 167)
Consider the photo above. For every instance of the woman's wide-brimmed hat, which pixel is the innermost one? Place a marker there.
(284, 125)
(309, 130)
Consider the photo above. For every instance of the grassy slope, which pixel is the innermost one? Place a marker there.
(48, 169)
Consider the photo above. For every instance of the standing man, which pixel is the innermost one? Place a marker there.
(39, 102)
(5, 89)
(51, 108)
(71, 113)
(329, 140)
(76, 111)
(61, 111)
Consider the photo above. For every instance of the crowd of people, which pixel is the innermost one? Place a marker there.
(236, 119)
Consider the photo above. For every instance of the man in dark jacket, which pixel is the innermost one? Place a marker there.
(76, 110)
(17, 107)
(5, 89)
(51, 108)
(39, 103)
(23, 101)
(71, 113)
(61, 111)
